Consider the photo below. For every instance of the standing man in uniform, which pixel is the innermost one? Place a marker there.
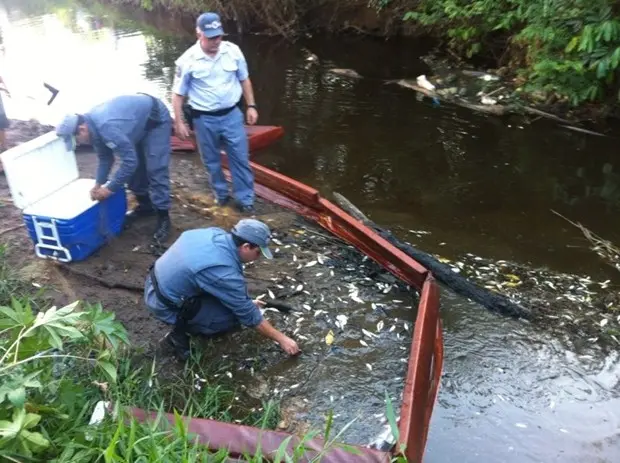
(198, 285)
(137, 128)
(213, 75)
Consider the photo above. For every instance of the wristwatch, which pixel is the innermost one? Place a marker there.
(252, 106)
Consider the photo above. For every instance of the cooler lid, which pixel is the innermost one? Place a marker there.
(38, 168)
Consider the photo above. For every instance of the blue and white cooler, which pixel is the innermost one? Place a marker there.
(61, 219)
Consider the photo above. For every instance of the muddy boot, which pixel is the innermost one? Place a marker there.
(162, 232)
(143, 209)
(178, 339)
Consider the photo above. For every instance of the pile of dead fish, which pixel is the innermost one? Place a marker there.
(572, 301)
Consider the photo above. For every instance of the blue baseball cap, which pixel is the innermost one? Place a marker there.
(210, 24)
(67, 129)
(255, 232)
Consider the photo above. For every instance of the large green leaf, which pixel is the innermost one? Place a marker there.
(17, 396)
(109, 369)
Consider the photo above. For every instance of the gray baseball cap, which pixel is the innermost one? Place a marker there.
(66, 130)
(255, 232)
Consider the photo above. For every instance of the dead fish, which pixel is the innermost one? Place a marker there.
(341, 321)
(369, 334)
(345, 72)
(369, 366)
(320, 259)
(271, 295)
(363, 343)
(380, 325)
(311, 264)
(306, 306)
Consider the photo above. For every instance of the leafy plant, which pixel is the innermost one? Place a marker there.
(566, 48)
(36, 350)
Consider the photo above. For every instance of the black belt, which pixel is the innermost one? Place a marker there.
(167, 302)
(196, 113)
(189, 306)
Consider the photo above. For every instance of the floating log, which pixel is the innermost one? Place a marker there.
(442, 272)
(496, 110)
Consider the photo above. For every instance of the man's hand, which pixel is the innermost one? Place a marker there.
(93, 190)
(251, 116)
(182, 130)
(101, 193)
(289, 346)
(259, 303)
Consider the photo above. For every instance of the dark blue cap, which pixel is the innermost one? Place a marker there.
(210, 24)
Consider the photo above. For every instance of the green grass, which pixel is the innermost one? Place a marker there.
(57, 363)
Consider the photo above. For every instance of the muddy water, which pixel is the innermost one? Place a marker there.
(511, 392)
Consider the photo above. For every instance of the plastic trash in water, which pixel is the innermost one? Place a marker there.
(423, 82)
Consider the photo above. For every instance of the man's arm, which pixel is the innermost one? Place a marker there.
(246, 87)
(106, 161)
(230, 289)
(180, 87)
(288, 345)
(248, 92)
(118, 142)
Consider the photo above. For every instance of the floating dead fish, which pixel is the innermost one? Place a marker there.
(603, 322)
(345, 72)
(271, 295)
(363, 343)
(311, 263)
(380, 325)
(369, 366)
(299, 288)
(319, 312)
(341, 321)
(521, 425)
(319, 274)
(369, 334)
(320, 259)
(306, 306)
(392, 328)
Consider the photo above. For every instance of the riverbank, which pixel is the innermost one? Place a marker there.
(561, 69)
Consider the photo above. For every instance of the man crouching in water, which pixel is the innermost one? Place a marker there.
(198, 285)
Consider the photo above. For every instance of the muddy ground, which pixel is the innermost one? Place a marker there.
(353, 319)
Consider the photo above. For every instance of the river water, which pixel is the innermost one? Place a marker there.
(477, 184)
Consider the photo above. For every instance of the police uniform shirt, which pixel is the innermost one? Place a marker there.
(211, 83)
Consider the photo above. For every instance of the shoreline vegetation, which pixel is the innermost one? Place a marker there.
(560, 56)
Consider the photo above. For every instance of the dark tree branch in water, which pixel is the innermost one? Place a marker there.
(605, 249)
(443, 273)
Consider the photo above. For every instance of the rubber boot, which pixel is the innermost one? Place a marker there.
(178, 339)
(162, 232)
